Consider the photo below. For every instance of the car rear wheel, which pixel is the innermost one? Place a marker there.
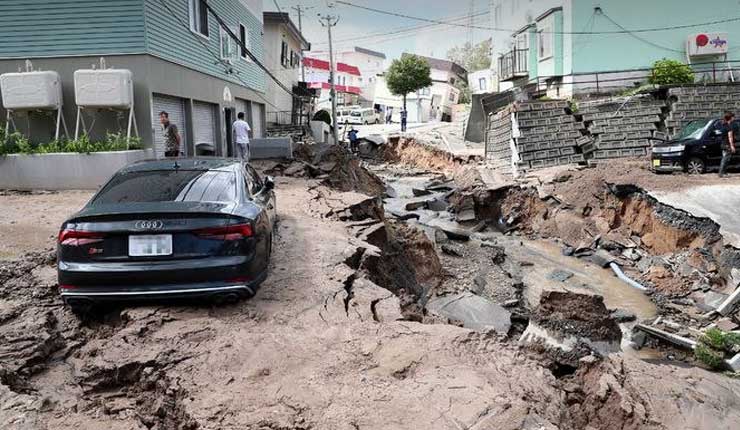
(695, 166)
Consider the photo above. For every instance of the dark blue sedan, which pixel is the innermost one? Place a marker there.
(174, 228)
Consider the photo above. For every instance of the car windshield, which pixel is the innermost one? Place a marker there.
(693, 130)
(169, 186)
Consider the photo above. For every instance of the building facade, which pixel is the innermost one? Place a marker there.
(347, 81)
(435, 102)
(483, 81)
(181, 60)
(566, 46)
(284, 47)
(370, 63)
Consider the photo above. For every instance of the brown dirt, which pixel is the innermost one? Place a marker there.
(576, 314)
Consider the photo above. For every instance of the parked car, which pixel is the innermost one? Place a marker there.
(696, 149)
(364, 116)
(166, 229)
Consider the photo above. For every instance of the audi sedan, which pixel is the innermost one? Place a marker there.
(164, 229)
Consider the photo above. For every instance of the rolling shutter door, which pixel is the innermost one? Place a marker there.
(176, 109)
(204, 126)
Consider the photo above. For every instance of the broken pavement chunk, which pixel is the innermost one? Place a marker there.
(475, 312)
(560, 275)
(418, 192)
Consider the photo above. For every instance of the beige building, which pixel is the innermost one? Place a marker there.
(283, 51)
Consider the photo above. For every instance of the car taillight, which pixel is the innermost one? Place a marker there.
(231, 232)
(79, 237)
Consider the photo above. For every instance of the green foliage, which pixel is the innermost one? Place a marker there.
(465, 93)
(408, 74)
(472, 57)
(323, 115)
(671, 72)
(18, 144)
(714, 344)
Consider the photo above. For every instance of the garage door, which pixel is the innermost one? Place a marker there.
(175, 107)
(204, 127)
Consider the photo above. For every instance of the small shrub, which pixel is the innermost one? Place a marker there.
(671, 72)
(714, 344)
(709, 356)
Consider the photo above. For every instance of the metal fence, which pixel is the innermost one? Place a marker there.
(513, 64)
(614, 80)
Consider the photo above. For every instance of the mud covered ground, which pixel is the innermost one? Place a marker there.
(321, 346)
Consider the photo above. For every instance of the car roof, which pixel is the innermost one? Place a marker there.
(210, 163)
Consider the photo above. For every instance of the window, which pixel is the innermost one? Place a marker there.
(482, 84)
(497, 15)
(244, 39)
(198, 14)
(522, 42)
(425, 91)
(172, 186)
(452, 96)
(544, 42)
(226, 45)
(284, 54)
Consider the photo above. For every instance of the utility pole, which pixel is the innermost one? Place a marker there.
(330, 21)
(300, 10)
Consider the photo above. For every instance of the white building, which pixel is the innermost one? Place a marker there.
(370, 64)
(347, 81)
(283, 46)
(483, 81)
(435, 102)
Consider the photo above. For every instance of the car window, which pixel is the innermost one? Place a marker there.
(169, 186)
(693, 130)
(254, 179)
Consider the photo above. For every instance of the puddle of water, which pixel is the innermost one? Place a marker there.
(587, 278)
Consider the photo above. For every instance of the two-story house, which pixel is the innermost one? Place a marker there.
(181, 60)
(435, 102)
(571, 46)
(370, 63)
(284, 47)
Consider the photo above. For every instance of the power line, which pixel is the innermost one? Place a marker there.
(643, 30)
(641, 39)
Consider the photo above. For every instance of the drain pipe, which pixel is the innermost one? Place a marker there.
(617, 271)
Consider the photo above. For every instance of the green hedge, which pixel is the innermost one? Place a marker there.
(16, 143)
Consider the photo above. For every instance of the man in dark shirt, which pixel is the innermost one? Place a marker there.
(729, 132)
(404, 117)
(171, 136)
(352, 139)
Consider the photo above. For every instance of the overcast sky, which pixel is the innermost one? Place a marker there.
(371, 29)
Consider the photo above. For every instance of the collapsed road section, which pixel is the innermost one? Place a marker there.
(400, 297)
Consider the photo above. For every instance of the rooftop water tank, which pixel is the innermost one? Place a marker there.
(112, 88)
(31, 90)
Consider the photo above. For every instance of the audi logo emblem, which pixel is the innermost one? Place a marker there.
(149, 225)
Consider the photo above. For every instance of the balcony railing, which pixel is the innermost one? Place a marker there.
(513, 64)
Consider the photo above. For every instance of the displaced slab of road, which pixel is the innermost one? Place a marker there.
(719, 203)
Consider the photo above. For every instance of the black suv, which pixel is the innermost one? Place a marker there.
(697, 149)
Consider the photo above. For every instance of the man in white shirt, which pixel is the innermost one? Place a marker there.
(241, 136)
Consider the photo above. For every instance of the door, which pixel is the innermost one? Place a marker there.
(204, 128)
(712, 144)
(229, 121)
(258, 116)
(175, 107)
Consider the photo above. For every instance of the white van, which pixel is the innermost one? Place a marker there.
(364, 116)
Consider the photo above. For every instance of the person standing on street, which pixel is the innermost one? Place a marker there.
(352, 139)
(241, 130)
(404, 116)
(729, 132)
(172, 139)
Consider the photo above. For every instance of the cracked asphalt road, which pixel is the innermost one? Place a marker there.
(294, 358)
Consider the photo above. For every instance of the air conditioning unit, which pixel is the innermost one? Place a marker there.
(112, 88)
(31, 90)
(701, 44)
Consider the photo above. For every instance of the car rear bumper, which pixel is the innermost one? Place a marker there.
(99, 294)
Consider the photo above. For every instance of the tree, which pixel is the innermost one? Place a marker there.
(408, 74)
(671, 72)
(472, 57)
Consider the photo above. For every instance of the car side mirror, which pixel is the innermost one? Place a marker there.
(717, 132)
(269, 184)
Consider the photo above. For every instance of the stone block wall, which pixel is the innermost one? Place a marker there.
(700, 102)
(499, 133)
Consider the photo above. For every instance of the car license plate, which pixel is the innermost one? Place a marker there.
(656, 163)
(150, 245)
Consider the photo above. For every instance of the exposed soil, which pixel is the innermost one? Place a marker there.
(331, 340)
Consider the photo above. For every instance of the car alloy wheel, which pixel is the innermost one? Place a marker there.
(695, 166)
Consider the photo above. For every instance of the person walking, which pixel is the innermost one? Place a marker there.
(352, 139)
(241, 130)
(729, 131)
(404, 116)
(172, 139)
(388, 115)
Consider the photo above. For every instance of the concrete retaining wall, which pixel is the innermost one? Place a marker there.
(64, 171)
(271, 147)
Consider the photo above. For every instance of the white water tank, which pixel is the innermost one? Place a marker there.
(113, 88)
(31, 90)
